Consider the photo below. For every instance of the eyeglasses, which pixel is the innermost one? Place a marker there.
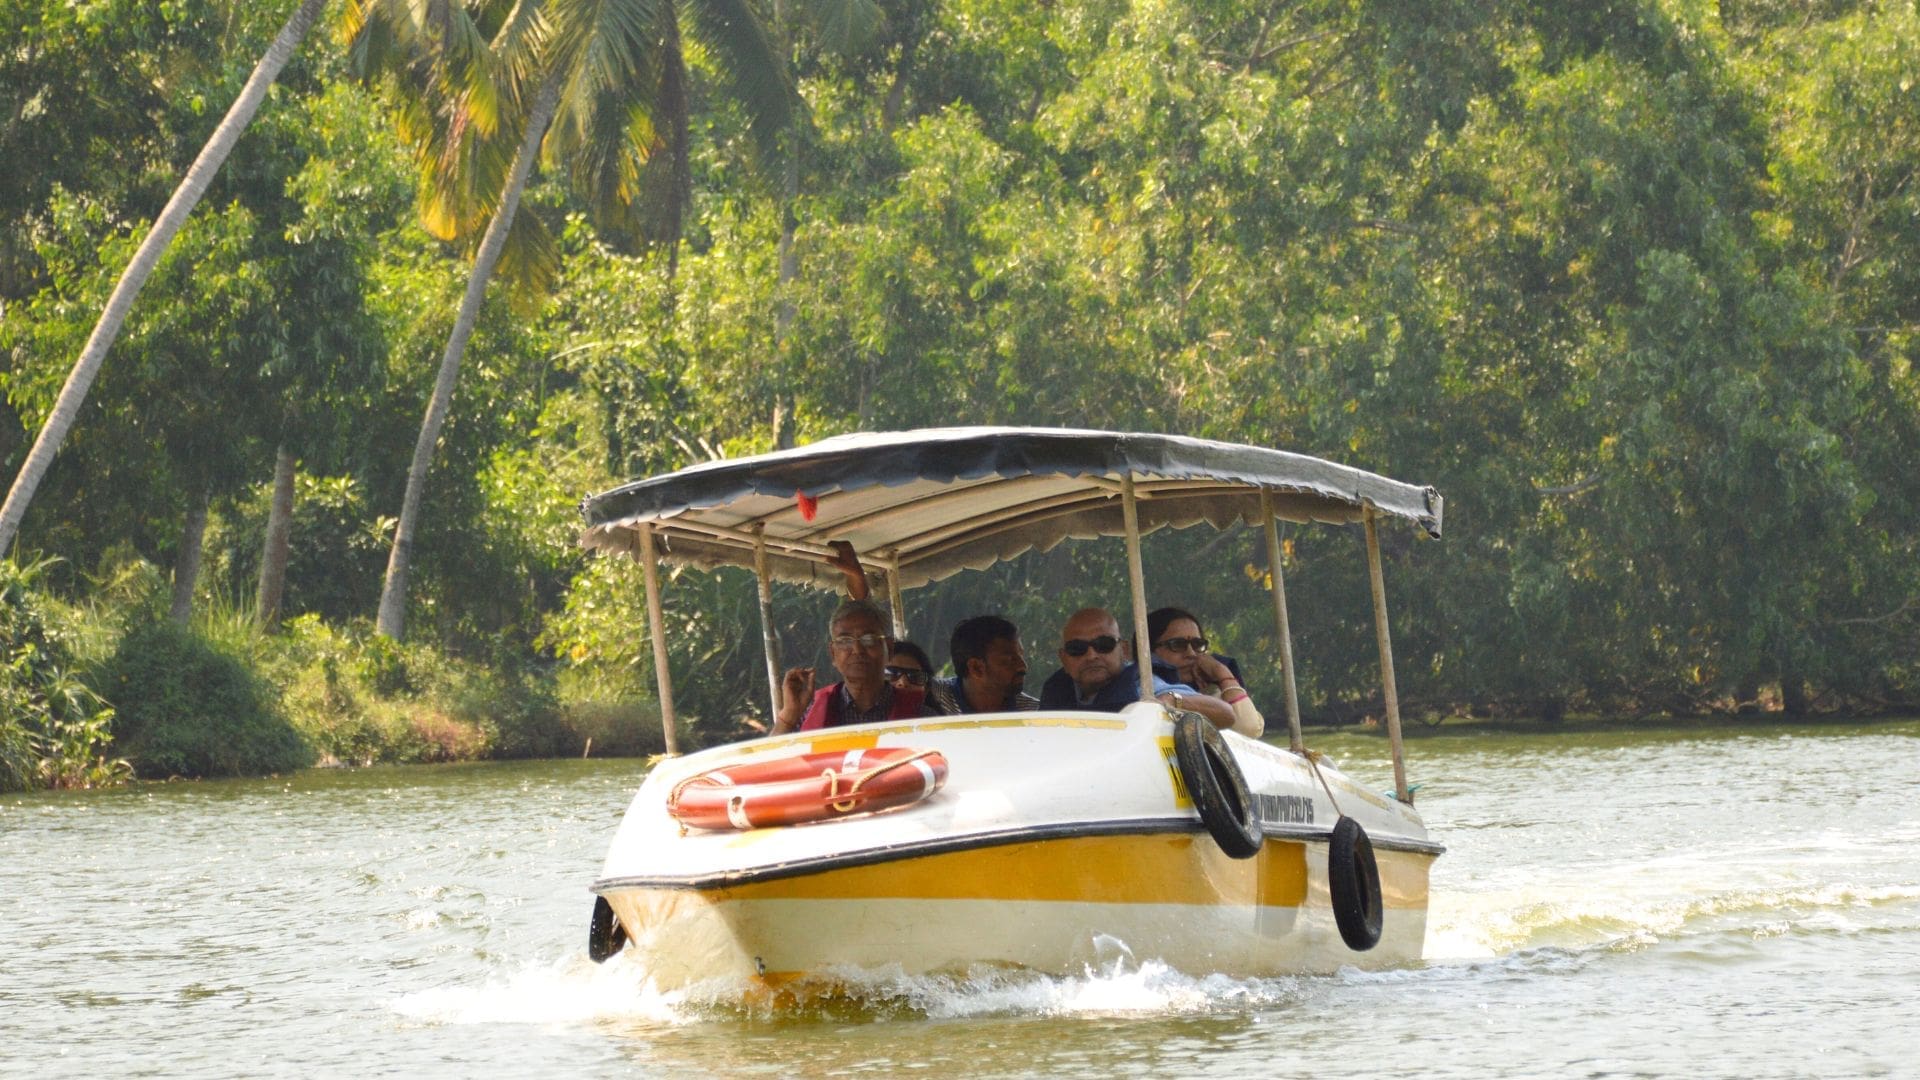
(913, 675)
(846, 642)
(1078, 646)
(1182, 644)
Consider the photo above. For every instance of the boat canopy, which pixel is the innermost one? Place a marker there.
(924, 505)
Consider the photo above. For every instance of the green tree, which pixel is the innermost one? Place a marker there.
(613, 76)
(67, 407)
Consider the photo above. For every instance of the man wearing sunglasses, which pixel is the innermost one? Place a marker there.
(1097, 672)
(857, 637)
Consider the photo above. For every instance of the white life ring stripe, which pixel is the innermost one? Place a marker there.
(927, 779)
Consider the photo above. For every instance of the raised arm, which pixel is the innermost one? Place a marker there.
(848, 561)
(1243, 716)
(796, 692)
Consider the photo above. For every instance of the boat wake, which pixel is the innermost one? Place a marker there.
(574, 990)
(1834, 883)
(1709, 906)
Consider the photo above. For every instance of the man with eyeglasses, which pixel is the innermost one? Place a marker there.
(1097, 672)
(989, 669)
(858, 638)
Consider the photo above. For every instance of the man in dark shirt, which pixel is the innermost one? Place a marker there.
(989, 669)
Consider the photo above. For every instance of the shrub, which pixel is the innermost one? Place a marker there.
(629, 728)
(187, 709)
(53, 728)
(362, 699)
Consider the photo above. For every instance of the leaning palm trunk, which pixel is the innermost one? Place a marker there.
(393, 596)
(67, 407)
(273, 554)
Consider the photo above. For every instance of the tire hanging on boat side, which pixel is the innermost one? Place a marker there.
(1354, 880)
(1216, 785)
(605, 936)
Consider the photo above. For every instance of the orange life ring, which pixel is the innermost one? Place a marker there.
(807, 787)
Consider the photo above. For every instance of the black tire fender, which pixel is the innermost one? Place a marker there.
(1353, 877)
(1218, 789)
(605, 936)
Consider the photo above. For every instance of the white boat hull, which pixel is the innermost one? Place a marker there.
(1060, 842)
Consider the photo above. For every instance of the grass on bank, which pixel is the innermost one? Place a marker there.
(93, 692)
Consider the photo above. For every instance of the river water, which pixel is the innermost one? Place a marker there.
(1734, 902)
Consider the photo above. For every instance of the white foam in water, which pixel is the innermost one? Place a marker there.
(1767, 888)
(1118, 989)
(576, 990)
(572, 990)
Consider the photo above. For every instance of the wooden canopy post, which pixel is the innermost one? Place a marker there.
(1137, 579)
(1281, 626)
(657, 628)
(893, 597)
(769, 642)
(1386, 660)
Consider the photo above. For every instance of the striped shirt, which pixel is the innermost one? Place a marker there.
(948, 697)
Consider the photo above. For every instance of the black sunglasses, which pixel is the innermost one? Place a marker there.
(1182, 644)
(1079, 646)
(912, 674)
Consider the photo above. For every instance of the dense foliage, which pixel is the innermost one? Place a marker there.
(53, 728)
(1636, 285)
(184, 708)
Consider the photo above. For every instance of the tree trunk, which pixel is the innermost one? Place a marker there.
(273, 556)
(393, 596)
(67, 407)
(787, 261)
(1794, 700)
(896, 98)
(186, 564)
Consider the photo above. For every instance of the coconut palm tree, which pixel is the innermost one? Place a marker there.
(604, 84)
(185, 197)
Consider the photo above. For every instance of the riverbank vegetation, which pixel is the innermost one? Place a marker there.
(1635, 285)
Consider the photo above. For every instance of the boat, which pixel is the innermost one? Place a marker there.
(1051, 841)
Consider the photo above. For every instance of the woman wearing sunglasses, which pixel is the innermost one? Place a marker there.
(909, 668)
(1179, 643)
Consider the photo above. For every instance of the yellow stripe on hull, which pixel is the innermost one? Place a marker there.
(1055, 905)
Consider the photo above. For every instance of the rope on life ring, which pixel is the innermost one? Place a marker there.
(1353, 879)
(1218, 789)
(806, 787)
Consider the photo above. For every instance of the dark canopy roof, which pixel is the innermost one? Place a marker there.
(927, 504)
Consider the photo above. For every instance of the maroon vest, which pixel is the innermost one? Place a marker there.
(824, 711)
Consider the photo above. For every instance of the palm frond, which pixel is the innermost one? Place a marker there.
(529, 265)
(462, 171)
(749, 65)
(847, 27)
(520, 45)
